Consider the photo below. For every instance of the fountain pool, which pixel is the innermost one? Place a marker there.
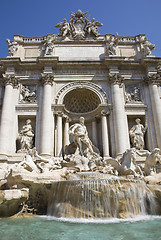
(49, 228)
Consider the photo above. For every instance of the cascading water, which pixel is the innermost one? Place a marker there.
(101, 198)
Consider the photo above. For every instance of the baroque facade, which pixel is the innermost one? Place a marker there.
(47, 83)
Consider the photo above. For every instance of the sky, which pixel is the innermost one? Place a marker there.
(39, 17)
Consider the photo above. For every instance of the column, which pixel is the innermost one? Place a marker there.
(94, 132)
(156, 108)
(66, 132)
(6, 128)
(59, 135)
(105, 139)
(46, 115)
(120, 119)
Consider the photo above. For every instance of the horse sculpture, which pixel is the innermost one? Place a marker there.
(126, 165)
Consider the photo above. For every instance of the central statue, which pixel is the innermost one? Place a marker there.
(81, 139)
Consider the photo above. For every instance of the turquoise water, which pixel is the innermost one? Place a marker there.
(43, 228)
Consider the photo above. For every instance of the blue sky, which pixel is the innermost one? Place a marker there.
(38, 18)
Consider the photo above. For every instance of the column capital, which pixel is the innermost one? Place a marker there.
(47, 79)
(116, 79)
(59, 113)
(11, 80)
(153, 78)
(67, 119)
(104, 113)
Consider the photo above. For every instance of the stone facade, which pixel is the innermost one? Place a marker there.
(53, 80)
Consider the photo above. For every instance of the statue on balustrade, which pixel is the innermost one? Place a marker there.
(137, 135)
(26, 136)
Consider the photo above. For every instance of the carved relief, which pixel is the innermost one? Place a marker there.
(27, 94)
(132, 94)
(79, 27)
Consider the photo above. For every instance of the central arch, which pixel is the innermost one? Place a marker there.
(90, 90)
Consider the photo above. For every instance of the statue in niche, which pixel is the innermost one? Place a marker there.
(82, 155)
(137, 135)
(12, 47)
(132, 94)
(148, 48)
(26, 136)
(26, 95)
(152, 161)
(81, 139)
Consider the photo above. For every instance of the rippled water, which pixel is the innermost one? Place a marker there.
(45, 228)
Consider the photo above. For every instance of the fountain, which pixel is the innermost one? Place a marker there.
(83, 185)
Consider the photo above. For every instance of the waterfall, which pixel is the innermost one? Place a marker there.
(102, 198)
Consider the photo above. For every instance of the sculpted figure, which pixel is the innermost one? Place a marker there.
(111, 46)
(148, 47)
(26, 95)
(49, 46)
(29, 164)
(26, 136)
(127, 164)
(137, 135)
(80, 138)
(64, 28)
(12, 47)
(152, 159)
(92, 27)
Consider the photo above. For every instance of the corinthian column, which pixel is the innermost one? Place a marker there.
(59, 135)
(119, 115)
(105, 140)
(46, 116)
(66, 132)
(154, 83)
(6, 127)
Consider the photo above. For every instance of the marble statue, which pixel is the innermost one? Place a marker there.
(148, 47)
(64, 28)
(137, 135)
(152, 159)
(49, 46)
(92, 27)
(111, 46)
(29, 164)
(26, 95)
(26, 136)
(79, 27)
(126, 165)
(80, 138)
(12, 47)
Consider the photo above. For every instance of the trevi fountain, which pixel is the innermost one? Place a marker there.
(80, 135)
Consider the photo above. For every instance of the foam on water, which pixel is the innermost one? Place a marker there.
(102, 221)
